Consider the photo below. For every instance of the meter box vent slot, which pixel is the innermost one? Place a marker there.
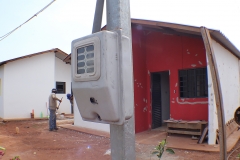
(85, 58)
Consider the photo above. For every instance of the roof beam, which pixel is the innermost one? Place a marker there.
(217, 90)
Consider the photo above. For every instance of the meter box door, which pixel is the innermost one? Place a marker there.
(96, 78)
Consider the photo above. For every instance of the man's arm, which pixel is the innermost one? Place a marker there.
(55, 98)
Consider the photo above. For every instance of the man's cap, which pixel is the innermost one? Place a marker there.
(54, 90)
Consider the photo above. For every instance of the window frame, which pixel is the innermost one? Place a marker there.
(193, 83)
(63, 91)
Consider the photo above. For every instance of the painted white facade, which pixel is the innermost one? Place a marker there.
(228, 68)
(1, 90)
(212, 111)
(85, 124)
(63, 74)
(28, 83)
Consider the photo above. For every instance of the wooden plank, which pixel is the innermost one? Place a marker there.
(217, 90)
(184, 125)
(232, 140)
(165, 24)
(236, 125)
(183, 121)
(217, 139)
(217, 136)
(230, 128)
(203, 122)
(168, 121)
(193, 121)
(177, 26)
(171, 121)
(203, 135)
(184, 132)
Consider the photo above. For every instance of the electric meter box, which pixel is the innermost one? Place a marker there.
(97, 63)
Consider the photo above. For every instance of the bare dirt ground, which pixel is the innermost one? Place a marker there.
(35, 142)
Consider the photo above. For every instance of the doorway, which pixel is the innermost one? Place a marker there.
(160, 98)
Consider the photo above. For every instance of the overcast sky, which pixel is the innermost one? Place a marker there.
(66, 20)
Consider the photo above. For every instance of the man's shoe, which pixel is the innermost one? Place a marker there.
(52, 130)
(56, 128)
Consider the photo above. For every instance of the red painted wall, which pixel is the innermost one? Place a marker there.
(140, 82)
(155, 52)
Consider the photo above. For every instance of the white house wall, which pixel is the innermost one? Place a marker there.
(91, 125)
(228, 68)
(212, 110)
(63, 74)
(1, 91)
(28, 83)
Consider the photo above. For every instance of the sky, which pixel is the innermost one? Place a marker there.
(66, 20)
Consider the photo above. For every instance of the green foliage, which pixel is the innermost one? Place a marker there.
(1, 148)
(159, 149)
(238, 156)
(16, 158)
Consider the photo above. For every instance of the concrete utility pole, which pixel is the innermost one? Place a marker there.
(123, 136)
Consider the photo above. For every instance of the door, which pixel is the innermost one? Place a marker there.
(156, 101)
(160, 98)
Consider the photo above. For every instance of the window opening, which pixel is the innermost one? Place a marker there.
(193, 83)
(61, 87)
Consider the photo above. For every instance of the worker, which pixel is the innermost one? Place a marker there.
(70, 98)
(52, 108)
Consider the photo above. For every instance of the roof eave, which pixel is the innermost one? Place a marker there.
(68, 59)
(58, 53)
(225, 42)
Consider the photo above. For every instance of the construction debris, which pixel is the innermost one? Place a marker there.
(17, 130)
(108, 152)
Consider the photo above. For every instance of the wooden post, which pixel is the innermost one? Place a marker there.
(217, 91)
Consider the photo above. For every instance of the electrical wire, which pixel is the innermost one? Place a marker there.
(6, 35)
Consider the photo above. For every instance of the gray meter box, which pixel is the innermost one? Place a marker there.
(98, 62)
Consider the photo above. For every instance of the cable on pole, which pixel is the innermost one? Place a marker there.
(98, 16)
(6, 35)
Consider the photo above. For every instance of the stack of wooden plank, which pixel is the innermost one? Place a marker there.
(185, 127)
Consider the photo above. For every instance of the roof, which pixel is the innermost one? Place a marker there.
(174, 28)
(68, 59)
(58, 53)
